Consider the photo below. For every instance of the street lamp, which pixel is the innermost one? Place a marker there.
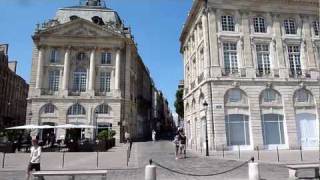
(205, 104)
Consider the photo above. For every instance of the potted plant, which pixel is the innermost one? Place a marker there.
(105, 139)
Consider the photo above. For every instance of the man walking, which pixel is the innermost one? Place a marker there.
(183, 140)
(34, 163)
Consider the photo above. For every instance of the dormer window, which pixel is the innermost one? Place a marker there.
(290, 26)
(227, 23)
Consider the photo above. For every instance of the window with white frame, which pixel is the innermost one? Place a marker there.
(105, 81)
(102, 109)
(54, 76)
(237, 129)
(290, 26)
(106, 58)
(54, 56)
(294, 59)
(230, 57)
(227, 23)
(76, 109)
(316, 27)
(80, 80)
(273, 132)
(49, 108)
(259, 25)
(270, 95)
(263, 59)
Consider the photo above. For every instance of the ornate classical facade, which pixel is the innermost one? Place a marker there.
(13, 92)
(256, 64)
(86, 70)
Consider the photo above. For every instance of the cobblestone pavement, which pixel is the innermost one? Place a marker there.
(162, 152)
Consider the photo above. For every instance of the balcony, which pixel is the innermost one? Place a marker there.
(263, 73)
(74, 93)
(49, 92)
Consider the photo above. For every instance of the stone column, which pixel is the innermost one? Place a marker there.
(40, 68)
(283, 71)
(66, 71)
(206, 55)
(247, 51)
(310, 54)
(117, 71)
(92, 73)
(214, 49)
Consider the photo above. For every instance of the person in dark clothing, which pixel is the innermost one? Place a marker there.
(29, 138)
(183, 140)
(19, 142)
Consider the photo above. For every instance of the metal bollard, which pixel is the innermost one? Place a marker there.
(3, 159)
(150, 171)
(253, 170)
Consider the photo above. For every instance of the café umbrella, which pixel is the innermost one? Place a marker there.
(30, 126)
(74, 126)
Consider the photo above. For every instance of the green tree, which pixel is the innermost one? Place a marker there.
(178, 104)
(106, 134)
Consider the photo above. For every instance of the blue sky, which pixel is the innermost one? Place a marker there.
(156, 26)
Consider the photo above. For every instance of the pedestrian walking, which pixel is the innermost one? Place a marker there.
(183, 140)
(154, 135)
(34, 163)
(176, 143)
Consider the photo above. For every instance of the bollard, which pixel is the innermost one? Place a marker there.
(278, 154)
(258, 152)
(150, 172)
(253, 171)
(62, 166)
(301, 156)
(97, 159)
(239, 152)
(3, 159)
(223, 151)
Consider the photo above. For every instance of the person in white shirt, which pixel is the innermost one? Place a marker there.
(154, 135)
(34, 163)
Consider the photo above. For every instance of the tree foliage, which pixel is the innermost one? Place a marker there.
(178, 104)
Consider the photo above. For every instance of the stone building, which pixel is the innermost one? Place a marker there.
(256, 64)
(86, 70)
(13, 92)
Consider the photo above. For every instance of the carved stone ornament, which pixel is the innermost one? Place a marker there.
(302, 85)
(235, 84)
(269, 84)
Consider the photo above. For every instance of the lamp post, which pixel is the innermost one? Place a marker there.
(205, 104)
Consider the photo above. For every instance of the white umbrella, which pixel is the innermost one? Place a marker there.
(29, 126)
(67, 126)
(74, 126)
(82, 126)
(45, 127)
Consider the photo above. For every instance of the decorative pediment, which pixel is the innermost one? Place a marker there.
(80, 28)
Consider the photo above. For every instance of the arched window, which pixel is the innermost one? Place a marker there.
(302, 96)
(48, 108)
(102, 109)
(80, 80)
(270, 96)
(76, 109)
(236, 96)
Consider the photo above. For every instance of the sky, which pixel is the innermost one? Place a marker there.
(156, 26)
